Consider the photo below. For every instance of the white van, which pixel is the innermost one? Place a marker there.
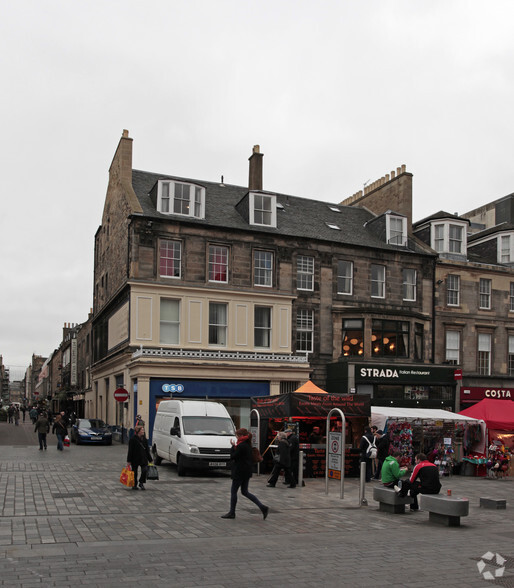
(194, 434)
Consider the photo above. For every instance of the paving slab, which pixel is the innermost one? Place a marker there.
(66, 517)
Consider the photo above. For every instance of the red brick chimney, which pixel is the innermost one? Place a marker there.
(255, 175)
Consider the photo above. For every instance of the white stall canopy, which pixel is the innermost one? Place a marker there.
(381, 414)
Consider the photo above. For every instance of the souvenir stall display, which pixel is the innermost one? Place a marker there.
(439, 434)
(400, 439)
(309, 411)
(498, 460)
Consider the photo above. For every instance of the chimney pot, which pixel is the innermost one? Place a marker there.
(255, 173)
(125, 133)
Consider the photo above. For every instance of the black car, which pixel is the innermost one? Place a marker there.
(90, 431)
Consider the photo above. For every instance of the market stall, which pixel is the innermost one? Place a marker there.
(445, 437)
(309, 410)
(498, 415)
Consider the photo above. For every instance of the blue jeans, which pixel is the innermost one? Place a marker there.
(59, 441)
(243, 484)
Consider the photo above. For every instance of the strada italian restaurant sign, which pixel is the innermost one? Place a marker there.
(475, 393)
(407, 374)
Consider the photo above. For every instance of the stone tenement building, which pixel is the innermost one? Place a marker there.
(205, 289)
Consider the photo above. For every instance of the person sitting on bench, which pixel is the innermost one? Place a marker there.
(424, 480)
(391, 471)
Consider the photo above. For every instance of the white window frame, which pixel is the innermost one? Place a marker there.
(171, 323)
(442, 239)
(304, 330)
(259, 212)
(218, 324)
(452, 347)
(305, 273)
(409, 277)
(450, 289)
(263, 268)
(378, 282)
(345, 280)
(505, 245)
(166, 192)
(511, 297)
(484, 353)
(177, 247)
(215, 251)
(393, 235)
(262, 328)
(484, 293)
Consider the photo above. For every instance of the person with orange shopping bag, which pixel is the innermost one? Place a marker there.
(138, 456)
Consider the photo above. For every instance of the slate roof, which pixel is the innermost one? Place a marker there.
(439, 215)
(299, 217)
(502, 227)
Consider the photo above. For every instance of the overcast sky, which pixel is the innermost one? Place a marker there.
(336, 93)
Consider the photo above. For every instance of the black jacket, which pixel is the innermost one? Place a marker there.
(59, 428)
(138, 452)
(294, 447)
(241, 458)
(364, 446)
(284, 454)
(382, 447)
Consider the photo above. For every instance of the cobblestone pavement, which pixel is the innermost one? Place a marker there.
(66, 520)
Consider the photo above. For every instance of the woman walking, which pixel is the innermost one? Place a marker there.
(60, 429)
(139, 456)
(242, 465)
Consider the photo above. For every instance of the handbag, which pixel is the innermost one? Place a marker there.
(256, 455)
(152, 473)
(66, 441)
(127, 477)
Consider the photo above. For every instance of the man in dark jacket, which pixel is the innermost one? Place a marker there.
(424, 480)
(382, 443)
(42, 427)
(367, 441)
(282, 461)
(294, 451)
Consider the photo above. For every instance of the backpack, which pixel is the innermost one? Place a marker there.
(256, 455)
(372, 449)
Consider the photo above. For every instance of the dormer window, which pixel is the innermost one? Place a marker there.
(263, 209)
(505, 249)
(449, 238)
(174, 197)
(396, 230)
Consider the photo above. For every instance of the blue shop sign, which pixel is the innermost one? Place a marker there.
(208, 388)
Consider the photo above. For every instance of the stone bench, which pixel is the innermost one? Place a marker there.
(389, 501)
(496, 503)
(444, 510)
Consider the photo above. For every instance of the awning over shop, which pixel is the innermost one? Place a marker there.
(298, 404)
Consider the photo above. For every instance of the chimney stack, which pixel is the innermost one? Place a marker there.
(255, 175)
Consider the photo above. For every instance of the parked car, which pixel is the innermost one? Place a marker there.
(90, 431)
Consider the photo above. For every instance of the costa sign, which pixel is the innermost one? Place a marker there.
(475, 393)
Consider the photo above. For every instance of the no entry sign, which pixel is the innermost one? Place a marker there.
(121, 395)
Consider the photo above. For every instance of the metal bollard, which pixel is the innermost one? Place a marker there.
(300, 469)
(362, 486)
